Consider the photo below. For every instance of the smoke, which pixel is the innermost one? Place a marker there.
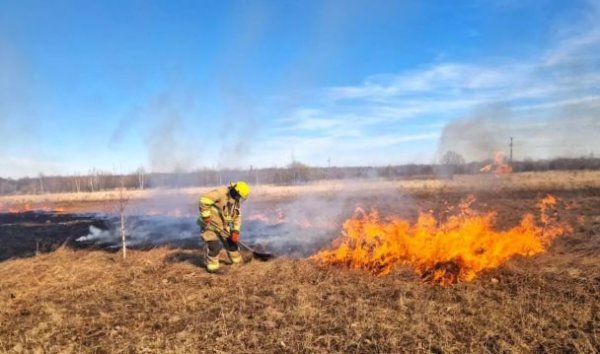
(299, 226)
(164, 148)
(569, 131)
(296, 227)
(292, 226)
(97, 235)
(238, 131)
(478, 137)
(143, 231)
(310, 221)
(550, 106)
(195, 124)
(171, 135)
(236, 125)
(20, 150)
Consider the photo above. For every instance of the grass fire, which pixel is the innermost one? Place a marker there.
(299, 177)
(519, 269)
(440, 251)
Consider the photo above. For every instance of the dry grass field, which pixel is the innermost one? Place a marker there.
(552, 180)
(162, 301)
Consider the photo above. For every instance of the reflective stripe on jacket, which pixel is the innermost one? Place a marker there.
(218, 203)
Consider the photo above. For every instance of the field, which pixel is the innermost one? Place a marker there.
(61, 295)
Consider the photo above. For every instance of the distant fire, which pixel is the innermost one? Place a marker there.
(442, 252)
(498, 166)
(26, 207)
(278, 217)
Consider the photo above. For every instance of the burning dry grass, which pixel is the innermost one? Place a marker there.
(442, 251)
(160, 301)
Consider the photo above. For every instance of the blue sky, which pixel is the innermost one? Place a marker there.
(114, 85)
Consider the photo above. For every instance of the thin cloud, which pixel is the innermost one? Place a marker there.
(383, 110)
(18, 166)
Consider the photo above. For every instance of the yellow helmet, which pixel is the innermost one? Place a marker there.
(242, 188)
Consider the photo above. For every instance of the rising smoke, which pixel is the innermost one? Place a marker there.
(296, 226)
(571, 131)
(20, 131)
(477, 138)
(164, 122)
(551, 106)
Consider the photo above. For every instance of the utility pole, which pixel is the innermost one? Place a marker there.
(255, 174)
(41, 177)
(511, 150)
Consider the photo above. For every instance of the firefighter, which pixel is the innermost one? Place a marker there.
(221, 220)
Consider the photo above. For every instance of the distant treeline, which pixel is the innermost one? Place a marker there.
(295, 173)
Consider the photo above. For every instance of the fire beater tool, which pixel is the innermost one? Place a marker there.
(261, 256)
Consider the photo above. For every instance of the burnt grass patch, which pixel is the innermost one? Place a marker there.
(26, 234)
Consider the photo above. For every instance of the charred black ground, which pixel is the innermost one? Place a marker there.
(27, 233)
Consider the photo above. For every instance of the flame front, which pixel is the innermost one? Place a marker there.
(440, 252)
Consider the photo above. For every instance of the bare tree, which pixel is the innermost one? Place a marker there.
(141, 175)
(92, 180)
(451, 164)
(102, 179)
(121, 207)
(77, 182)
(452, 158)
(299, 172)
(41, 178)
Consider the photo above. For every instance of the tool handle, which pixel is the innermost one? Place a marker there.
(222, 232)
(246, 246)
(216, 228)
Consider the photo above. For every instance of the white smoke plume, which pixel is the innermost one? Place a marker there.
(97, 235)
(143, 231)
(550, 105)
(293, 226)
(299, 226)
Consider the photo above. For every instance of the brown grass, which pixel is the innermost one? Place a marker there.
(161, 301)
(564, 180)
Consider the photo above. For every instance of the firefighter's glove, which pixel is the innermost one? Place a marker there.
(235, 236)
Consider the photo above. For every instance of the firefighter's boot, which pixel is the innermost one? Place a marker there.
(235, 257)
(212, 264)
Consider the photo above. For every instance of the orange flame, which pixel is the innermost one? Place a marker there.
(498, 166)
(443, 253)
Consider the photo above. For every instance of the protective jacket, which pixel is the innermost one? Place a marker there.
(224, 212)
